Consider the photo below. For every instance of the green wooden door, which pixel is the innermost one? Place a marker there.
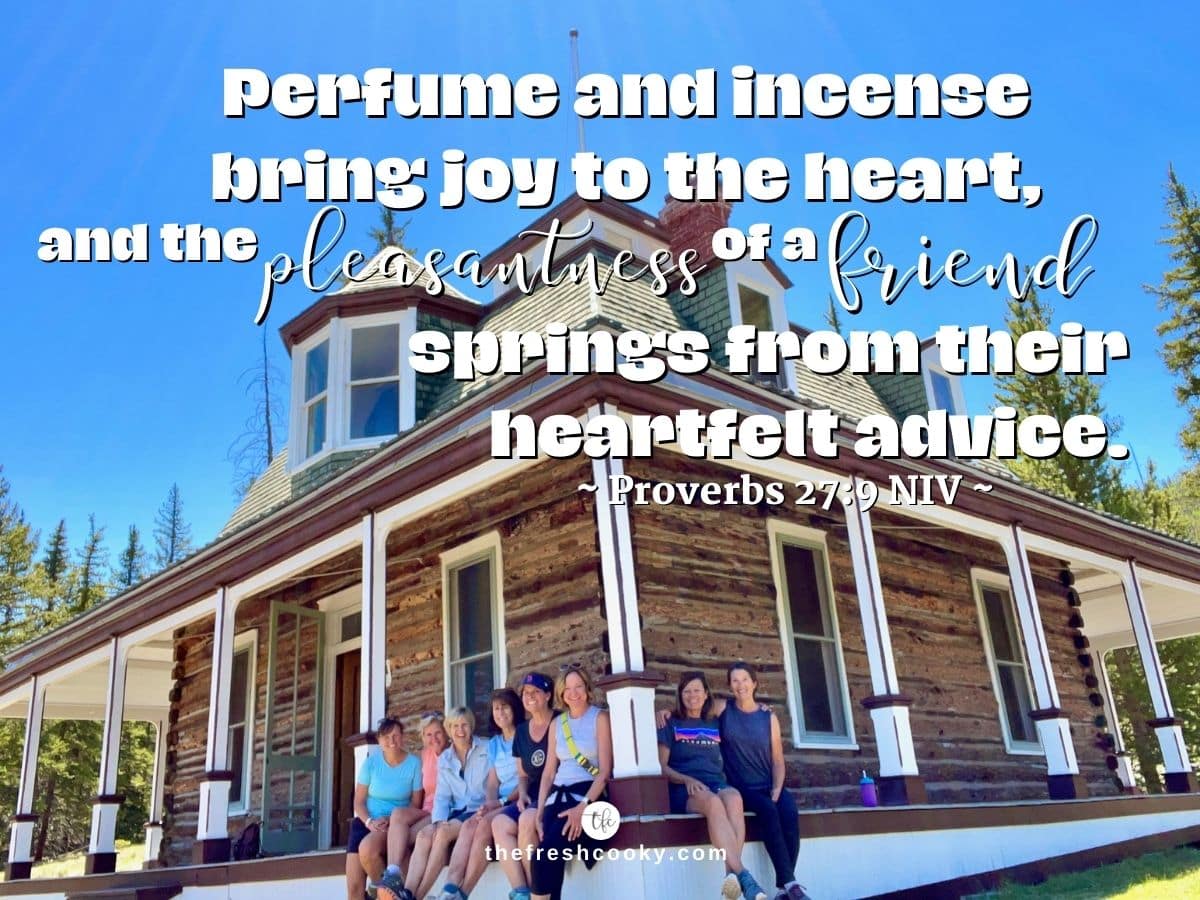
(292, 764)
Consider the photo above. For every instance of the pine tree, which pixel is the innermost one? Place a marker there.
(172, 535)
(388, 234)
(131, 564)
(832, 318)
(1092, 482)
(55, 562)
(18, 544)
(1179, 297)
(91, 586)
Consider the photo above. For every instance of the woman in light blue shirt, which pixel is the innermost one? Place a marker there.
(461, 786)
(470, 856)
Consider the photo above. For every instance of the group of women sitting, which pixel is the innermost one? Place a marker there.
(526, 788)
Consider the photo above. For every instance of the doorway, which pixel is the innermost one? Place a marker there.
(346, 699)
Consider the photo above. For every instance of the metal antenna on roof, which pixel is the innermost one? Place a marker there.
(575, 82)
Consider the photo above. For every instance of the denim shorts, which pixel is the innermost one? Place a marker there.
(679, 794)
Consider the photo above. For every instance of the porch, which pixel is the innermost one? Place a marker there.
(435, 575)
(905, 851)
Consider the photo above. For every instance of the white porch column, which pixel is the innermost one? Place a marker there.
(1054, 728)
(20, 844)
(638, 783)
(1180, 779)
(154, 829)
(373, 691)
(102, 847)
(212, 826)
(1124, 769)
(899, 780)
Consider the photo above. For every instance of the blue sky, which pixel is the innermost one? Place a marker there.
(124, 378)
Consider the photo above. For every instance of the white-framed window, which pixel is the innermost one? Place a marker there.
(353, 386)
(316, 398)
(241, 720)
(374, 384)
(819, 698)
(473, 624)
(755, 298)
(942, 390)
(1006, 661)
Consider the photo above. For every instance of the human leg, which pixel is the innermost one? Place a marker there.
(439, 850)
(477, 859)
(420, 858)
(720, 832)
(548, 866)
(356, 878)
(767, 814)
(403, 826)
(457, 869)
(789, 822)
(527, 840)
(371, 850)
(504, 833)
(734, 809)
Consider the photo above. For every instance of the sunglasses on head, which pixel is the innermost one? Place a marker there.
(571, 667)
(433, 714)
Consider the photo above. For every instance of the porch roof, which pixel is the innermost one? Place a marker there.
(458, 440)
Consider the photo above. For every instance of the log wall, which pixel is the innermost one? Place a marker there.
(554, 613)
(707, 598)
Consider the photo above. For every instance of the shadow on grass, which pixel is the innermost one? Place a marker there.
(1172, 873)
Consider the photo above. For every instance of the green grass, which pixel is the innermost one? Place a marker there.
(129, 858)
(1171, 875)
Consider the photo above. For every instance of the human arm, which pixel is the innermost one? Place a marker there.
(441, 796)
(693, 786)
(418, 788)
(523, 799)
(548, 774)
(778, 768)
(360, 810)
(491, 793)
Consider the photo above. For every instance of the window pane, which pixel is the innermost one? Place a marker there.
(816, 667)
(238, 686)
(803, 593)
(351, 626)
(756, 308)
(316, 429)
(375, 352)
(473, 606)
(375, 410)
(237, 762)
(473, 686)
(1016, 703)
(997, 607)
(943, 397)
(316, 370)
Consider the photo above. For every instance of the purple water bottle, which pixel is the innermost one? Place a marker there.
(866, 787)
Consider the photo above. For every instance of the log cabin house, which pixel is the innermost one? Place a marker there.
(388, 563)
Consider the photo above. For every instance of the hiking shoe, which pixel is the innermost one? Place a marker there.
(751, 889)
(519, 894)
(391, 887)
(795, 891)
(730, 889)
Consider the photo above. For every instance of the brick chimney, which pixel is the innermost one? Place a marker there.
(691, 225)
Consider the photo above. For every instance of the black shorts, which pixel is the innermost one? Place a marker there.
(511, 811)
(358, 831)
